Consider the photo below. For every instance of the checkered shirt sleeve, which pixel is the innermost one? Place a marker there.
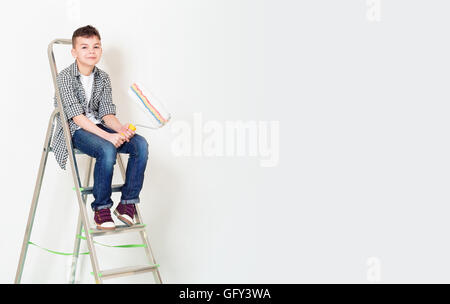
(72, 106)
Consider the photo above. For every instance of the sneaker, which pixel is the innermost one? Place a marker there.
(125, 213)
(103, 219)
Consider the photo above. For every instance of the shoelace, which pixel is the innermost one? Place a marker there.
(104, 215)
(129, 210)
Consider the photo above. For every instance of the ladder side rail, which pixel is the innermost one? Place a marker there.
(76, 250)
(143, 233)
(72, 160)
(34, 201)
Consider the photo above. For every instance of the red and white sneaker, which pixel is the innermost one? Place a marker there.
(125, 213)
(103, 219)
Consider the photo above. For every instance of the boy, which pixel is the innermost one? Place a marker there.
(86, 96)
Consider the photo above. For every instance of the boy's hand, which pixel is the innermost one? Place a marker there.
(116, 139)
(126, 132)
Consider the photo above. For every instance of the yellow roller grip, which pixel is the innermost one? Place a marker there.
(131, 127)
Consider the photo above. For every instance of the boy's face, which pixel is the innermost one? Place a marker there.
(87, 51)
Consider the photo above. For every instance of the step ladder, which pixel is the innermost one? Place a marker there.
(82, 191)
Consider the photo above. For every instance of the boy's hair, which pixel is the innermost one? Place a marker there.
(86, 32)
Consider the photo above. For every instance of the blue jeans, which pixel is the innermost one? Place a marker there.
(105, 154)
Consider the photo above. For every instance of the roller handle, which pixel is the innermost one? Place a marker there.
(130, 127)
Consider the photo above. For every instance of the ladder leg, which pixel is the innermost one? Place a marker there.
(89, 240)
(76, 250)
(143, 234)
(85, 219)
(37, 190)
(148, 249)
(83, 211)
(72, 160)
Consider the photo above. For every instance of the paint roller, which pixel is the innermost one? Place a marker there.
(156, 115)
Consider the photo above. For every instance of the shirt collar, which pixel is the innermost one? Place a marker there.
(76, 72)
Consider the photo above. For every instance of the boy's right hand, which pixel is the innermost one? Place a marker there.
(116, 139)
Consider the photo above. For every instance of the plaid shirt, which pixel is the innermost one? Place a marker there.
(74, 103)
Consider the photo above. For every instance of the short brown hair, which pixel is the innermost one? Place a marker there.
(85, 31)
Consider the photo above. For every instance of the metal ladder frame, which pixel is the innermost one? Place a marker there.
(82, 192)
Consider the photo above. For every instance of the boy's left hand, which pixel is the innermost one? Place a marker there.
(126, 132)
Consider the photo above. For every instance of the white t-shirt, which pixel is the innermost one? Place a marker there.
(88, 82)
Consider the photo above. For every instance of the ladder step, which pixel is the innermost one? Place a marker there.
(119, 229)
(127, 271)
(76, 151)
(89, 190)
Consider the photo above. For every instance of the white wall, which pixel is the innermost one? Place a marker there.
(359, 192)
